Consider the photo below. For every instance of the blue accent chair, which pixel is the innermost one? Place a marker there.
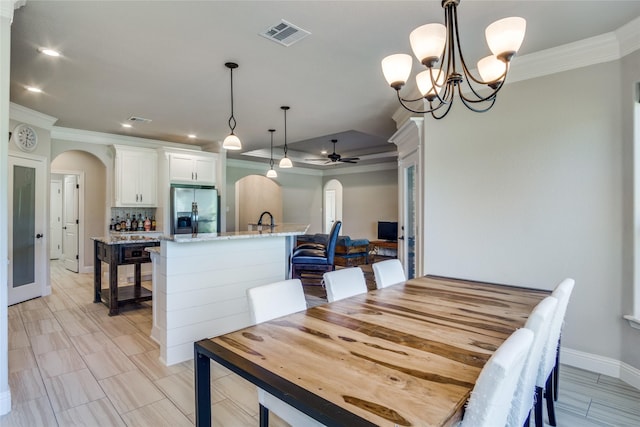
(317, 259)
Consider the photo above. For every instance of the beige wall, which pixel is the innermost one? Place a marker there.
(256, 194)
(94, 191)
(367, 198)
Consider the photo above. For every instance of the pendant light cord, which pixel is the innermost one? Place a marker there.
(232, 119)
(285, 130)
(271, 161)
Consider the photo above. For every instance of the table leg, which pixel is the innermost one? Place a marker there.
(264, 416)
(137, 280)
(202, 372)
(113, 288)
(97, 274)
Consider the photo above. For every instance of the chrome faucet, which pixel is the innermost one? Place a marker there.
(263, 214)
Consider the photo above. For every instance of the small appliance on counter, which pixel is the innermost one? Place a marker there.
(194, 209)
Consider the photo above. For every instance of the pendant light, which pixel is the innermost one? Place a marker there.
(232, 142)
(285, 162)
(271, 173)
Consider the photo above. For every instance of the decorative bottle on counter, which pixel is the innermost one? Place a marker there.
(140, 223)
(112, 225)
(123, 224)
(116, 226)
(153, 223)
(127, 224)
(134, 223)
(147, 224)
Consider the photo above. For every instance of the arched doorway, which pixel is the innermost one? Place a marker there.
(254, 195)
(90, 174)
(332, 203)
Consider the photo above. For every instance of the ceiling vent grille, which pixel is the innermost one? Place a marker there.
(285, 33)
(139, 119)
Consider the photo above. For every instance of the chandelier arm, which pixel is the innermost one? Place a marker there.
(470, 104)
(480, 98)
(444, 113)
(407, 107)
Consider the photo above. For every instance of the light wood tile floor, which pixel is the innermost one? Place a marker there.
(70, 364)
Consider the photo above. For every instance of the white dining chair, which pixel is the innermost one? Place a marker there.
(269, 302)
(344, 283)
(490, 399)
(538, 322)
(388, 273)
(544, 380)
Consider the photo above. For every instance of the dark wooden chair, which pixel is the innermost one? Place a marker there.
(317, 259)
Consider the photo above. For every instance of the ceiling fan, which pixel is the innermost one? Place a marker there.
(335, 157)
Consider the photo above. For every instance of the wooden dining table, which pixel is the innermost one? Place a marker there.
(406, 355)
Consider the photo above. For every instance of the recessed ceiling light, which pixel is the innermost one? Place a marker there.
(34, 89)
(126, 125)
(191, 135)
(49, 52)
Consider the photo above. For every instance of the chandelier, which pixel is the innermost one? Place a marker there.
(438, 48)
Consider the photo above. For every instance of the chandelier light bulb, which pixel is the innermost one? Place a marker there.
(396, 69)
(505, 36)
(425, 84)
(492, 69)
(427, 43)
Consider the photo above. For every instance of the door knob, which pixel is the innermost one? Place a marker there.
(38, 236)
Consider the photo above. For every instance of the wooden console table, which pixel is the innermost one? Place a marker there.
(116, 254)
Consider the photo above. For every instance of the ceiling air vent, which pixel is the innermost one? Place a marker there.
(285, 33)
(139, 119)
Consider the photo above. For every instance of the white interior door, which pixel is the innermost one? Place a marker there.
(70, 220)
(27, 224)
(55, 220)
(329, 209)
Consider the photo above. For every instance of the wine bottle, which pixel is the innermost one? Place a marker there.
(153, 223)
(140, 223)
(127, 224)
(134, 223)
(147, 224)
(117, 225)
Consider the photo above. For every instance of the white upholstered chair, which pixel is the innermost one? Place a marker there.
(268, 302)
(388, 273)
(539, 322)
(344, 283)
(490, 399)
(544, 380)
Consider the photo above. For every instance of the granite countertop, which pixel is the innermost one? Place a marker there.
(278, 230)
(126, 239)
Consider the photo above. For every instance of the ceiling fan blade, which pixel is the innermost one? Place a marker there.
(349, 159)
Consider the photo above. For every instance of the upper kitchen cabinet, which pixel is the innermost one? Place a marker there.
(136, 173)
(192, 168)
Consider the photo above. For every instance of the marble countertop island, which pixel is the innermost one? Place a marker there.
(266, 231)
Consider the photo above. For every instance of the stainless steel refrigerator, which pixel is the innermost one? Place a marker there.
(194, 209)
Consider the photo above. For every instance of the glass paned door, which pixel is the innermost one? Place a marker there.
(26, 229)
(410, 221)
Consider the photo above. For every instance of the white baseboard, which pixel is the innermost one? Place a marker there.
(5, 402)
(601, 365)
(87, 270)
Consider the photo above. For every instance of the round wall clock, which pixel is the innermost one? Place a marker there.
(25, 137)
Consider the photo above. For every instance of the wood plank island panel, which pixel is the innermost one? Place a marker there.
(407, 355)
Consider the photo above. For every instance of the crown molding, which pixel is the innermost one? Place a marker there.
(262, 167)
(361, 169)
(27, 115)
(101, 138)
(7, 8)
(629, 37)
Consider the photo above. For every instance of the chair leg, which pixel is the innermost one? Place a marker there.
(538, 408)
(527, 422)
(548, 395)
(264, 416)
(556, 372)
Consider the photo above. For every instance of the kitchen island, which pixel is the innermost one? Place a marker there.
(200, 283)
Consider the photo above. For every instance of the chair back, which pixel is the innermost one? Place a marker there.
(332, 241)
(539, 322)
(388, 273)
(490, 399)
(274, 300)
(344, 283)
(562, 293)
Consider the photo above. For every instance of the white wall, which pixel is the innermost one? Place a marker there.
(531, 192)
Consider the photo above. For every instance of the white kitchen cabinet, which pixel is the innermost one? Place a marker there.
(192, 168)
(136, 172)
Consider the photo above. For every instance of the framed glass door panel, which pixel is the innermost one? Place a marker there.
(408, 214)
(27, 247)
